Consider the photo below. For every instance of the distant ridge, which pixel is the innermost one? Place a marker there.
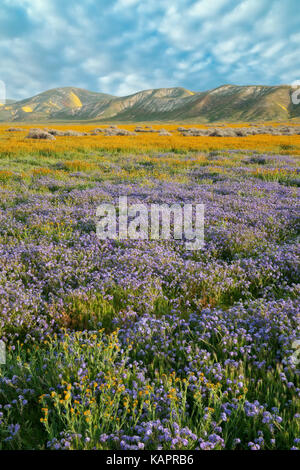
(225, 103)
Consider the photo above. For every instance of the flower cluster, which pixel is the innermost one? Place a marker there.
(123, 344)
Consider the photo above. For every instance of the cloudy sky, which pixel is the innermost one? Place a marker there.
(122, 46)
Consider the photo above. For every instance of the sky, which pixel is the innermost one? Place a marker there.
(123, 46)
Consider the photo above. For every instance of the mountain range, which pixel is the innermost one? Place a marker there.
(226, 103)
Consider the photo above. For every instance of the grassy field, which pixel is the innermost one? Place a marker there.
(142, 344)
(16, 144)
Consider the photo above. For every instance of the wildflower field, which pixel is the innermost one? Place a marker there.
(138, 344)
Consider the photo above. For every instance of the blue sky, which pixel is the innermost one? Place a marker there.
(123, 46)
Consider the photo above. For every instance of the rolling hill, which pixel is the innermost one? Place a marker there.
(225, 103)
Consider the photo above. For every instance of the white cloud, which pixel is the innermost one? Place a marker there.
(126, 3)
(204, 9)
(122, 46)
